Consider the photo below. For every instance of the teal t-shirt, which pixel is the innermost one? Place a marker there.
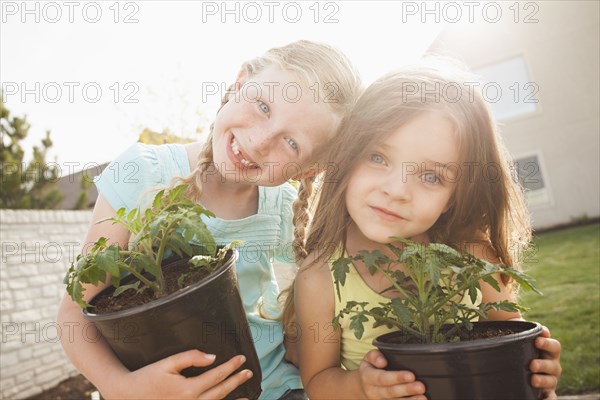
(129, 182)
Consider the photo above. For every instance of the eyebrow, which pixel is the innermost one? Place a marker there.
(428, 162)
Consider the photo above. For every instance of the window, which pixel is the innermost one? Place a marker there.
(530, 173)
(507, 88)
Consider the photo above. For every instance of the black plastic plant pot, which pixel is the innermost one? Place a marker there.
(482, 369)
(208, 315)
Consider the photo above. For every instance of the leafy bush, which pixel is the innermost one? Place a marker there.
(168, 226)
(431, 281)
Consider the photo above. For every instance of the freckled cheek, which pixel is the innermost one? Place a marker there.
(278, 157)
(234, 113)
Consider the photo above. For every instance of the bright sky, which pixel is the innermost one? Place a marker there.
(80, 78)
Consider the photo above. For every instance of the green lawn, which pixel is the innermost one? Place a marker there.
(566, 265)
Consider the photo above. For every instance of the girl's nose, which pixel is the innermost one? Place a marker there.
(262, 139)
(397, 184)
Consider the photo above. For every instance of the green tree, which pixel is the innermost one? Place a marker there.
(149, 136)
(83, 199)
(25, 185)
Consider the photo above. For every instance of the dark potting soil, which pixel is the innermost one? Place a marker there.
(462, 335)
(106, 303)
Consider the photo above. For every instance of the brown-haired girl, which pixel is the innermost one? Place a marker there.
(420, 158)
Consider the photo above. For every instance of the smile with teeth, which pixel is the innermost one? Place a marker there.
(236, 150)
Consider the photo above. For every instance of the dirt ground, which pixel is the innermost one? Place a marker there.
(79, 388)
(76, 388)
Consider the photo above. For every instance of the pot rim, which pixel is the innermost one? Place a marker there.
(532, 331)
(229, 263)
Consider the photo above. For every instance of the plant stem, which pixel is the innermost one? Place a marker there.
(395, 284)
(160, 278)
(455, 292)
(142, 278)
(423, 300)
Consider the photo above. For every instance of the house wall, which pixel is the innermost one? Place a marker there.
(37, 248)
(561, 53)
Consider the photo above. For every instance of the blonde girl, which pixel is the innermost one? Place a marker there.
(420, 158)
(272, 126)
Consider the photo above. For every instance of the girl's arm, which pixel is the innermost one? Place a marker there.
(547, 370)
(319, 345)
(92, 356)
(489, 294)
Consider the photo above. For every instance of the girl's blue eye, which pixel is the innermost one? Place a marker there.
(263, 107)
(431, 178)
(377, 158)
(292, 144)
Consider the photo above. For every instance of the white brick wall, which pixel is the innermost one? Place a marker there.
(37, 248)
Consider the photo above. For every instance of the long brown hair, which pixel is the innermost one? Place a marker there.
(483, 207)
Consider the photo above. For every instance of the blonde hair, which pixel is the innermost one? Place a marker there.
(482, 209)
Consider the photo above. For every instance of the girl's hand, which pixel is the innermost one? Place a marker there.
(161, 380)
(547, 370)
(380, 384)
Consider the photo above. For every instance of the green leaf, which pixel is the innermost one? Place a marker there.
(356, 324)
(201, 261)
(489, 279)
(372, 259)
(401, 311)
(121, 212)
(123, 288)
(433, 269)
(76, 294)
(143, 262)
(525, 281)
(176, 193)
(107, 261)
(473, 293)
(444, 249)
(507, 306)
(340, 268)
(409, 252)
(132, 214)
(156, 225)
(178, 244)
(181, 280)
(205, 238)
(158, 202)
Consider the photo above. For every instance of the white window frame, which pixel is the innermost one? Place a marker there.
(509, 93)
(539, 198)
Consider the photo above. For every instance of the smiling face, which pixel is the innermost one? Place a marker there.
(270, 130)
(404, 183)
